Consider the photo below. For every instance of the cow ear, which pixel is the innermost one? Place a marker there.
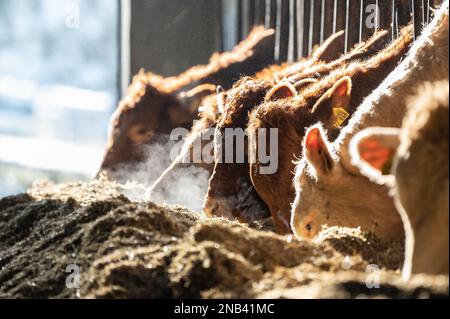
(332, 48)
(333, 107)
(281, 91)
(373, 151)
(341, 93)
(317, 152)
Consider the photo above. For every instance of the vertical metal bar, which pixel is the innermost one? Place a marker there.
(413, 16)
(424, 22)
(239, 29)
(245, 17)
(291, 41)
(230, 22)
(267, 13)
(393, 19)
(311, 27)
(347, 17)
(417, 19)
(396, 18)
(361, 20)
(278, 31)
(300, 24)
(125, 46)
(377, 15)
(322, 21)
(335, 12)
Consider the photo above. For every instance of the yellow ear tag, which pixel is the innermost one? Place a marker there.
(340, 116)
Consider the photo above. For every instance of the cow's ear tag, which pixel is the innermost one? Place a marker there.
(340, 115)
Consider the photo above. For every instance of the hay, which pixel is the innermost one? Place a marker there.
(143, 250)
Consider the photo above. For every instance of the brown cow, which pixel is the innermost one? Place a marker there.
(213, 106)
(235, 196)
(230, 192)
(417, 157)
(224, 187)
(155, 105)
(331, 101)
(329, 189)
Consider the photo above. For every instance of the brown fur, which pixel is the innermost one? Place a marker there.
(421, 173)
(343, 196)
(223, 197)
(228, 181)
(155, 105)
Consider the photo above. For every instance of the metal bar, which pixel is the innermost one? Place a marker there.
(322, 21)
(291, 44)
(278, 31)
(377, 15)
(393, 20)
(416, 17)
(347, 17)
(245, 18)
(361, 20)
(230, 22)
(125, 46)
(300, 12)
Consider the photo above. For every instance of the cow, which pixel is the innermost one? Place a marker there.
(230, 191)
(414, 160)
(235, 197)
(332, 100)
(154, 105)
(330, 190)
(214, 106)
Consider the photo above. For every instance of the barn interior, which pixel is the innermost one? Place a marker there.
(100, 104)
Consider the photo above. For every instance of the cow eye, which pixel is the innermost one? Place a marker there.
(308, 227)
(139, 134)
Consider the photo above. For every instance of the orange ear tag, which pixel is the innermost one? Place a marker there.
(340, 115)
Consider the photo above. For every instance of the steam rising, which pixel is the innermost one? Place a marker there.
(185, 186)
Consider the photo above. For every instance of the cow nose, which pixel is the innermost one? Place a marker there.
(210, 208)
(309, 229)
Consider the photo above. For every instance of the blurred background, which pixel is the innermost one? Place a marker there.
(65, 64)
(58, 86)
